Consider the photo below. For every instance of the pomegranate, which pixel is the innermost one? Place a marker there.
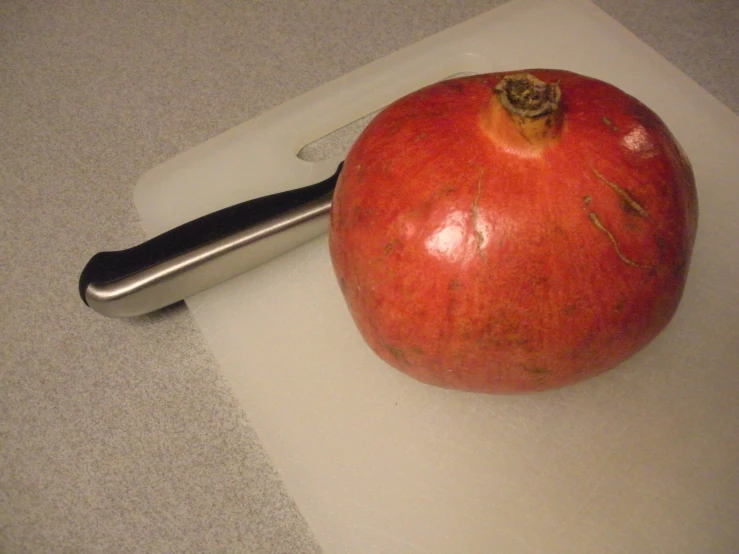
(513, 232)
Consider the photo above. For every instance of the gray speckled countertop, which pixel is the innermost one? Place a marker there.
(119, 435)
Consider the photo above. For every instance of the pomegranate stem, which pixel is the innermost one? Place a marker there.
(533, 106)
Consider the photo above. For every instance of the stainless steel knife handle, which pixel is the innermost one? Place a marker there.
(205, 252)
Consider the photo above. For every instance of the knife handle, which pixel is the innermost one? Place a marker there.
(205, 252)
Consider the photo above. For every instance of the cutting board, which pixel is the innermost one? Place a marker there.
(644, 458)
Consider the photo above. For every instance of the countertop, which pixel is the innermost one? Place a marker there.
(121, 435)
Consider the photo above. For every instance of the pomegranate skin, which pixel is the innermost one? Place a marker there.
(475, 258)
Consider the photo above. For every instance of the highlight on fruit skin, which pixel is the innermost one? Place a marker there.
(513, 232)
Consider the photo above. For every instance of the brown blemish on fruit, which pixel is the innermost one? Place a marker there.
(500, 331)
(342, 283)
(537, 370)
(397, 353)
(457, 85)
(599, 225)
(445, 189)
(679, 268)
(476, 216)
(539, 373)
(627, 202)
(610, 124)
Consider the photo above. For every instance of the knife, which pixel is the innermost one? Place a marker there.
(205, 252)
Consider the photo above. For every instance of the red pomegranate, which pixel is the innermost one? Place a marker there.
(513, 232)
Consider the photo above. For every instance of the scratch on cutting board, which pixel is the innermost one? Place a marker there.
(574, 515)
(196, 308)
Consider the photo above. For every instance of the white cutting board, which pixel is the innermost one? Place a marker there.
(643, 459)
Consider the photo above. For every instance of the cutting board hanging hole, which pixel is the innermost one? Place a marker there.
(460, 74)
(336, 143)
